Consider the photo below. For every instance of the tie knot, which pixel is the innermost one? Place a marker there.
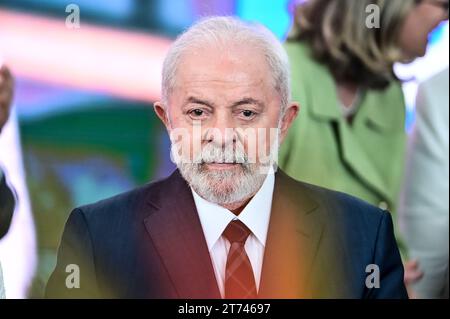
(236, 232)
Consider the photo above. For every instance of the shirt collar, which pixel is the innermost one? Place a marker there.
(256, 214)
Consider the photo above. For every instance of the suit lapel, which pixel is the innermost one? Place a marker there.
(293, 240)
(176, 232)
(355, 156)
(292, 243)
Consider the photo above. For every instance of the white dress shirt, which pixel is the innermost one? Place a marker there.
(256, 215)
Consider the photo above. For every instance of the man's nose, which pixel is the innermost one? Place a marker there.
(222, 131)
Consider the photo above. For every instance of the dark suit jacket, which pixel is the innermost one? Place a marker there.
(149, 243)
(6, 207)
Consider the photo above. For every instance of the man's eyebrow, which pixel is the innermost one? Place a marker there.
(195, 100)
(248, 100)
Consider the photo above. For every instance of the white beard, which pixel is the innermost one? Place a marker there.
(223, 186)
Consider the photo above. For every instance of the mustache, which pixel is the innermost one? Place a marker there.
(217, 154)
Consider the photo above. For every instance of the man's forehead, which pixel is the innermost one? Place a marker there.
(226, 62)
(195, 83)
(219, 90)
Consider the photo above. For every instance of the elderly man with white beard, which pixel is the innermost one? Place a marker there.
(227, 223)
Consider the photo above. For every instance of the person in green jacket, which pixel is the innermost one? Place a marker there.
(350, 133)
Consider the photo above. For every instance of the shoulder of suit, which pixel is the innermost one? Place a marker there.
(302, 62)
(441, 76)
(339, 204)
(124, 202)
(436, 84)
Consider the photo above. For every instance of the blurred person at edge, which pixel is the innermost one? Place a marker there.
(424, 208)
(6, 196)
(351, 137)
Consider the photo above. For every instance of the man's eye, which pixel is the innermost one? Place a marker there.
(248, 113)
(197, 112)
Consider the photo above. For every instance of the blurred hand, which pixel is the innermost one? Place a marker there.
(412, 275)
(6, 94)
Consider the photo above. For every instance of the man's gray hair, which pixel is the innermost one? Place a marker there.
(224, 31)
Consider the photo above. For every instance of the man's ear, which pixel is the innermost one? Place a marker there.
(160, 111)
(288, 118)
